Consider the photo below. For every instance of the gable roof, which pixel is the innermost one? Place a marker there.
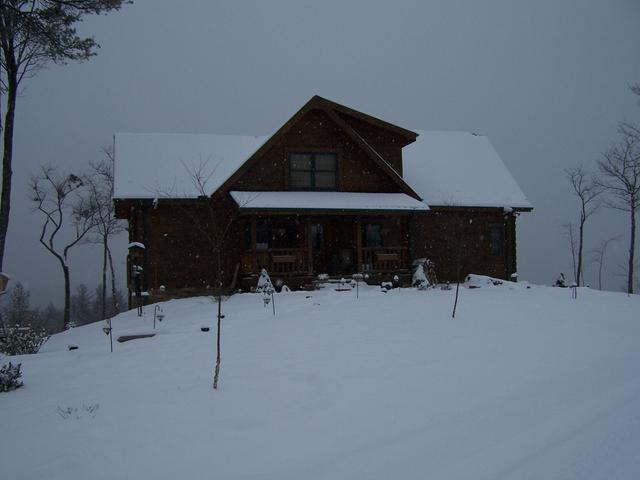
(460, 169)
(331, 105)
(330, 108)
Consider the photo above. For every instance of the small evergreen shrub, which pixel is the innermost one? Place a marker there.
(419, 279)
(10, 377)
(264, 283)
(22, 340)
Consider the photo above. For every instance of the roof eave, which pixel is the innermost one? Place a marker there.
(479, 207)
(307, 211)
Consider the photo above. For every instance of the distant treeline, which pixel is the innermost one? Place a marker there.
(86, 307)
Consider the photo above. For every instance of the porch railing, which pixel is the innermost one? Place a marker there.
(384, 259)
(292, 261)
(283, 260)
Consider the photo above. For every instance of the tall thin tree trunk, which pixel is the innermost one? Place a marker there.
(114, 297)
(104, 279)
(600, 270)
(458, 266)
(216, 375)
(579, 273)
(67, 298)
(7, 157)
(572, 242)
(632, 250)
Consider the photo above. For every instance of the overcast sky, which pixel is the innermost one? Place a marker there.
(545, 80)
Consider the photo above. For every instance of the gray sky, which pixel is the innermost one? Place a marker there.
(546, 80)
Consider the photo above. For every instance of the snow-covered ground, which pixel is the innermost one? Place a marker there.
(522, 384)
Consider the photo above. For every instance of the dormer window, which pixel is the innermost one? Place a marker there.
(312, 171)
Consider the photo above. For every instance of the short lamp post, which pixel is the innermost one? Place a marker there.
(136, 256)
(357, 277)
(268, 298)
(108, 331)
(157, 313)
(136, 273)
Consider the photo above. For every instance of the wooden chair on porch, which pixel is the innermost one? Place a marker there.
(387, 261)
(283, 263)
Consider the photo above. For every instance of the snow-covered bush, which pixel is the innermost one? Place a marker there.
(10, 377)
(386, 286)
(264, 282)
(424, 269)
(419, 279)
(22, 340)
(477, 281)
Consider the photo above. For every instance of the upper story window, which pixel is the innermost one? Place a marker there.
(313, 171)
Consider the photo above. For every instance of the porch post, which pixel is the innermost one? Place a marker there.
(359, 244)
(405, 252)
(309, 247)
(254, 252)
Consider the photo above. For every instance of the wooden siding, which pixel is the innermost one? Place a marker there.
(179, 252)
(315, 131)
(179, 257)
(386, 143)
(445, 235)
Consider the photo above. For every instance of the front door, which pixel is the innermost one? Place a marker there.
(333, 246)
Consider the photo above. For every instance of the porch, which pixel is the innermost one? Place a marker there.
(296, 245)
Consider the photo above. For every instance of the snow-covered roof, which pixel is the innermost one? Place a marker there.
(345, 201)
(156, 165)
(444, 168)
(460, 169)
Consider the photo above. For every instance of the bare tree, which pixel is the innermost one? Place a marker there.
(58, 197)
(213, 224)
(460, 247)
(99, 190)
(215, 230)
(622, 271)
(620, 178)
(573, 248)
(34, 33)
(598, 257)
(587, 190)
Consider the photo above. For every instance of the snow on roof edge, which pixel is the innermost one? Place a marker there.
(314, 200)
(444, 168)
(152, 156)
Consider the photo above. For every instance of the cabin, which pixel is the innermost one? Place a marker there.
(333, 191)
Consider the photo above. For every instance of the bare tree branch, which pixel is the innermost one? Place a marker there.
(99, 188)
(588, 192)
(34, 33)
(620, 178)
(598, 257)
(58, 198)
